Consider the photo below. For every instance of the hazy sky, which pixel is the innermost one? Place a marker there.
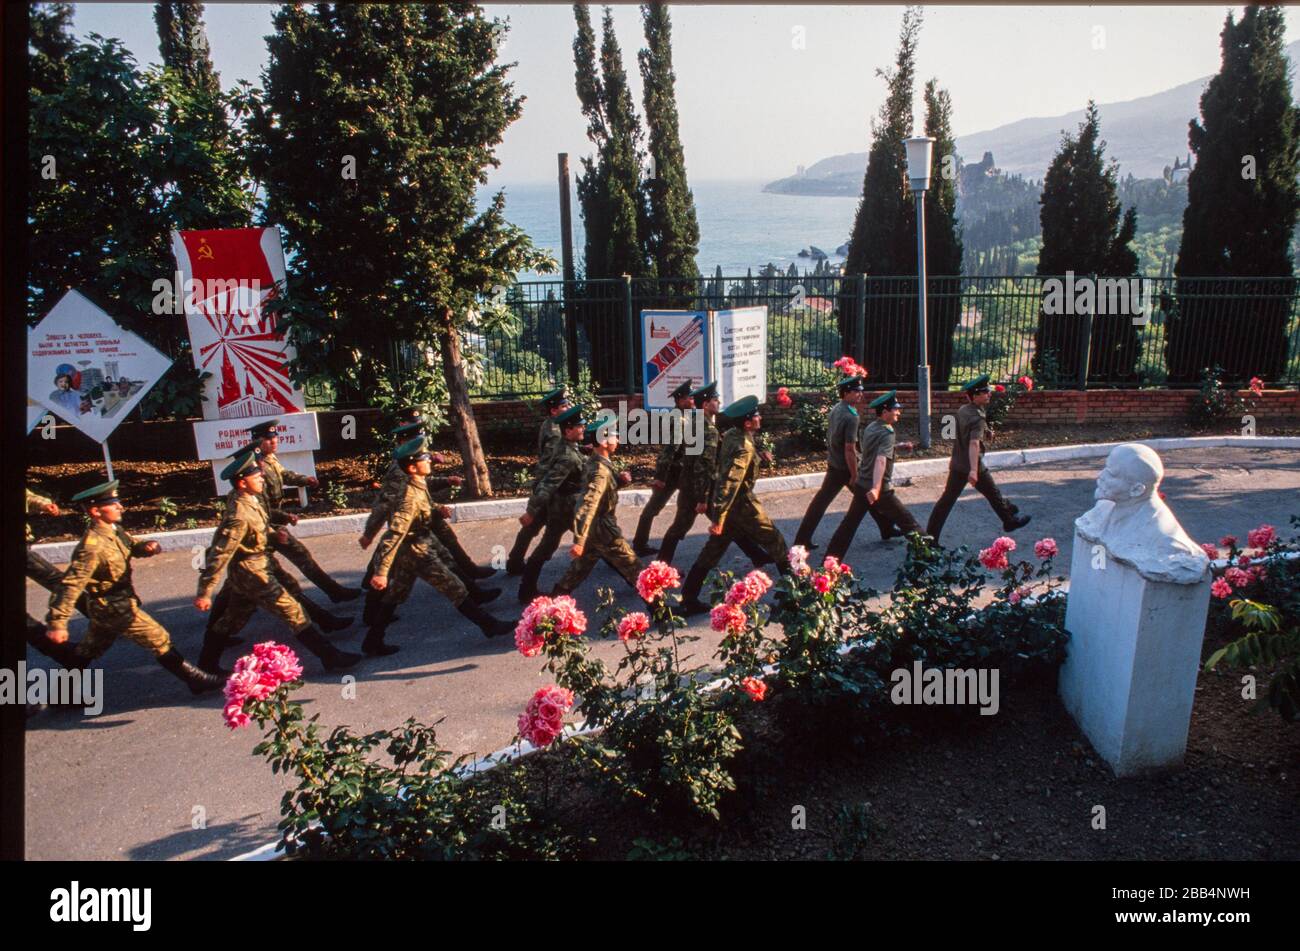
(762, 89)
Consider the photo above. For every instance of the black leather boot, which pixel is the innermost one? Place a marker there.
(374, 645)
(199, 681)
(336, 592)
(334, 659)
(490, 626)
(481, 595)
(324, 619)
(1016, 521)
(691, 603)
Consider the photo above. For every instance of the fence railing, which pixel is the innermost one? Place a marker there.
(1141, 332)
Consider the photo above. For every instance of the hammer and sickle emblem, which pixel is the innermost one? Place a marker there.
(205, 251)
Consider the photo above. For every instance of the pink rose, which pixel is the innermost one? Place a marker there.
(1243, 560)
(1261, 537)
(1210, 550)
(1004, 543)
(727, 618)
(1027, 383)
(758, 584)
(756, 689)
(1220, 588)
(655, 580)
(1045, 548)
(543, 719)
(235, 716)
(1238, 577)
(632, 626)
(798, 558)
(1228, 541)
(993, 558)
(1256, 386)
(822, 582)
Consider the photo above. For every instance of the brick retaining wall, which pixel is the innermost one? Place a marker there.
(514, 422)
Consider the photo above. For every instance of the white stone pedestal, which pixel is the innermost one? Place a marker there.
(1134, 651)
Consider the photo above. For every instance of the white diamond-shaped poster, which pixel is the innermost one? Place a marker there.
(86, 369)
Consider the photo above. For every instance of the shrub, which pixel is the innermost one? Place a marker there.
(1215, 402)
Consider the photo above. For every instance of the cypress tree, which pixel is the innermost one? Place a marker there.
(1086, 231)
(610, 197)
(1242, 202)
(883, 242)
(673, 237)
(204, 159)
(943, 247)
(377, 124)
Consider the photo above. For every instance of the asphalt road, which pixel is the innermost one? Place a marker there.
(157, 775)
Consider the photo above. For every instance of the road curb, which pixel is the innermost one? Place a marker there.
(187, 539)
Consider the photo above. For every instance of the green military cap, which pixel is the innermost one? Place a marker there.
(977, 385)
(244, 463)
(705, 393)
(264, 430)
(413, 450)
(887, 401)
(554, 398)
(743, 408)
(570, 417)
(409, 430)
(850, 383)
(409, 414)
(246, 450)
(683, 390)
(98, 494)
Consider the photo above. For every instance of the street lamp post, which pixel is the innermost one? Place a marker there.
(919, 149)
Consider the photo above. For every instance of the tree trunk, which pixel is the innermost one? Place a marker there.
(478, 483)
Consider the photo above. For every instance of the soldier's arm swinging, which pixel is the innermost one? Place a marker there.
(399, 526)
(229, 536)
(63, 600)
(731, 470)
(587, 511)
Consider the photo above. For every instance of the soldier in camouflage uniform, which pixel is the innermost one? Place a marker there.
(734, 510)
(553, 497)
(391, 488)
(48, 577)
(668, 474)
(409, 551)
(276, 477)
(596, 534)
(873, 488)
(696, 485)
(101, 568)
(242, 541)
(548, 440)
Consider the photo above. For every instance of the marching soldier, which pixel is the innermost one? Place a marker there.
(734, 510)
(668, 474)
(596, 534)
(553, 497)
(967, 464)
(242, 542)
(101, 569)
(447, 545)
(326, 620)
(696, 485)
(38, 568)
(872, 488)
(409, 550)
(841, 457)
(275, 478)
(548, 439)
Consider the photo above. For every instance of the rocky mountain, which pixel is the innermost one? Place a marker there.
(1144, 135)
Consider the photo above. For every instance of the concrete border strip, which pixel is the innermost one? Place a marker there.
(485, 509)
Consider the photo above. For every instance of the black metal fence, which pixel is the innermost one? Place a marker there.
(1141, 332)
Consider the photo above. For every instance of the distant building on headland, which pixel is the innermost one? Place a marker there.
(1178, 173)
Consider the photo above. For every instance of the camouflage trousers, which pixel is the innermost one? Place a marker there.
(120, 616)
(251, 584)
(426, 558)
(745, 520)
(604, 543)
(658, 499)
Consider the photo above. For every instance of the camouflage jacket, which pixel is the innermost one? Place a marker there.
(241, 538)
(411, 519)
(559, 482)
(391, 489)
(35, 504)
(277, 477)
(599, 502)
(699, 471)
(101, 567)
(737, 467)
